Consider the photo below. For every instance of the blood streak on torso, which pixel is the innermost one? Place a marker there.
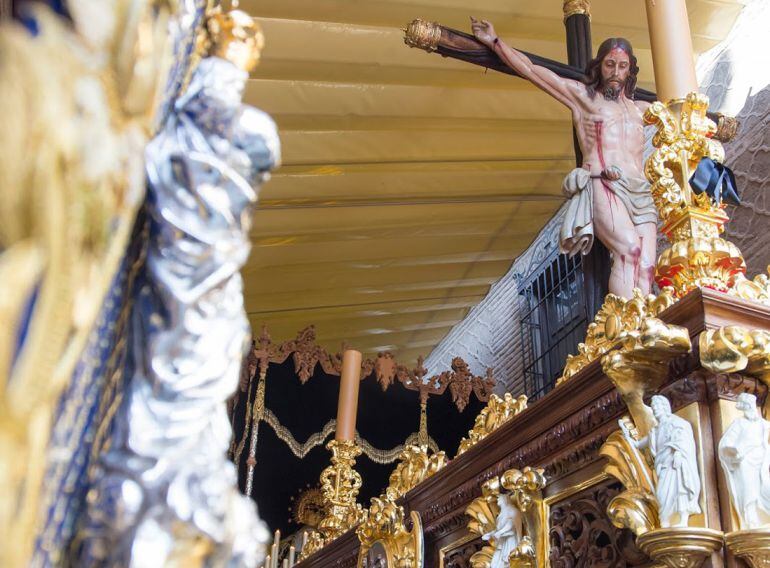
(619, 139)
(611, 133)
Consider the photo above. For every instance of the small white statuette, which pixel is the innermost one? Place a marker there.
(672, 445)
(744, 451)
(507, 534)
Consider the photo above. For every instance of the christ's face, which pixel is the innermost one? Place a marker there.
(616, 68)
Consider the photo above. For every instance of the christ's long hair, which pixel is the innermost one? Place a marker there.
(593, 71)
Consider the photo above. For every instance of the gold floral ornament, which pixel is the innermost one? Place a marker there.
(521, 510)
(236, 37)
(383, 523)
(617, 318)
(77, 106)
(414, 467)
(635, 508)
(698, 256)
(497, 412)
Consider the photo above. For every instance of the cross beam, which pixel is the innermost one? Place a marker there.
(453, 43)
(448, 42)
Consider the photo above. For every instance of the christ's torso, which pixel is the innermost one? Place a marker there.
(611, 133)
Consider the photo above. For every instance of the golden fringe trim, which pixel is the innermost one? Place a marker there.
(316, 439)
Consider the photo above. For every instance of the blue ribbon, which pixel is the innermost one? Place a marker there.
(717, 180)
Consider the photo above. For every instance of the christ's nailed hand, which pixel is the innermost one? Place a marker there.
(483, 31)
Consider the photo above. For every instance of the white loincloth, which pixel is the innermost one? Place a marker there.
(577, 229)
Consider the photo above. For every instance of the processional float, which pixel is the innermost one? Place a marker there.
(651, 449)
(679, 481)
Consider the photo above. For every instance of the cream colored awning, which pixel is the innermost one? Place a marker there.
(410, 182)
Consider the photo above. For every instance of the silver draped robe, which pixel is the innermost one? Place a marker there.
(167, 493)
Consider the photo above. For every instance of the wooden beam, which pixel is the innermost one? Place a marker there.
(463, 46)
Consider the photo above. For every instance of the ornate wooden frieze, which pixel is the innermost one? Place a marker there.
(581, 534)
(559, 437)
(729, 385)
(460, 557)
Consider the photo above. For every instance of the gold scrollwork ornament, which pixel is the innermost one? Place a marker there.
(414, 467)
(497, 412)
(640, 365)
(617, 318)
(524, 494)
(340, 483)
(734, 349)
(383, 523)
(698, 256)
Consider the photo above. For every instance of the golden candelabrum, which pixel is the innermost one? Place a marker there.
(698, 255)
(340, 484)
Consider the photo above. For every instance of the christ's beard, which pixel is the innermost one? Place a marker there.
(612, 92)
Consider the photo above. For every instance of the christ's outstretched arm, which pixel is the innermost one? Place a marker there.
(566, 91)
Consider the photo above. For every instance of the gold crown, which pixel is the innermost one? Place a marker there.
(237, 37)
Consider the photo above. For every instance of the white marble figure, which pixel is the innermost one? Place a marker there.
(507, 534)
(672, 445)
(744, 451)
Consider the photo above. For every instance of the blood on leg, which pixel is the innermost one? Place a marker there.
(614, 228)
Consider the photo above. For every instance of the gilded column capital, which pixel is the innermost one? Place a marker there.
(577, 7)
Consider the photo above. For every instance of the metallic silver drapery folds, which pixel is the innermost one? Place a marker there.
(167, 493)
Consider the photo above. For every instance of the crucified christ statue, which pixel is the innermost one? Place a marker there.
(609, 195)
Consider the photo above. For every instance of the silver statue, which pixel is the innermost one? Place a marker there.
(167, 494)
